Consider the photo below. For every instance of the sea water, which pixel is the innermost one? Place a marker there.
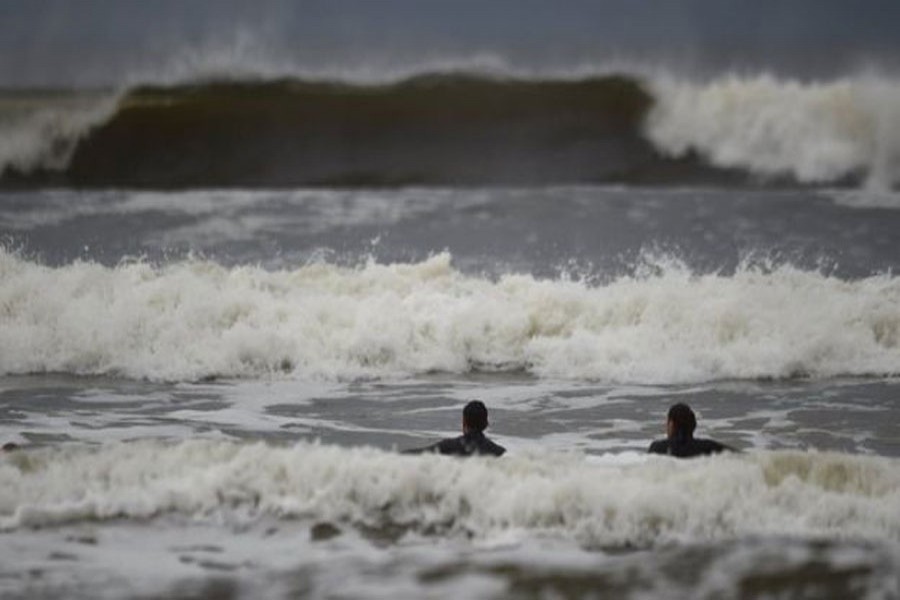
(209, 389)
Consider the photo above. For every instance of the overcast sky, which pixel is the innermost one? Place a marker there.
(90, 42)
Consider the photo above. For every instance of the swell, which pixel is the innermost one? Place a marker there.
(428, 129)
(458, 128)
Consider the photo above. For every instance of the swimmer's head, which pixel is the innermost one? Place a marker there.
(475, 417)
(681, 421)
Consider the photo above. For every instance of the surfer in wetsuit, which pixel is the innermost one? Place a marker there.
(680, 440)
(472, 441)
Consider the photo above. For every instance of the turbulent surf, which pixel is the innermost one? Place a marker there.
(250, 253)
(602, 504)
(196, 319)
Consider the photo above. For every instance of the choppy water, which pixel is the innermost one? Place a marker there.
(210, 387)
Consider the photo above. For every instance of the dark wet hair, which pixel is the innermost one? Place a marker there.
(683, 418)
(475, 415)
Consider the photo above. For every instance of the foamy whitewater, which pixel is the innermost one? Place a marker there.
(604, 503)
(196, 319)
(815, 132)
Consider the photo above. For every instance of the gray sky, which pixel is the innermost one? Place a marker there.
(90, 42)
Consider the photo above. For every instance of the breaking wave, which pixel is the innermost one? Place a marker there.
(196, 319)
(607, 502)
(41, 131)
(813, 132)
(457, 128)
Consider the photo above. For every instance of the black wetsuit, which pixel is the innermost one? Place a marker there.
(687, 447)
(473, 443)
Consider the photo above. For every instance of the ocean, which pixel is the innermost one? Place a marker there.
(227, 303)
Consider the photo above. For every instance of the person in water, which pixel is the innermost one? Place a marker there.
(472, 441)
(680, 440)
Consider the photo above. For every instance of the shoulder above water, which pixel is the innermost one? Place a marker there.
(473, 444)
(688, 448)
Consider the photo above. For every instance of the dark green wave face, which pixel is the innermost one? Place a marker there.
(430, 129)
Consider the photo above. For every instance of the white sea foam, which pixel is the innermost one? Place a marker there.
(195, 319)
(43, 132)
(597, 504)
(815, 132)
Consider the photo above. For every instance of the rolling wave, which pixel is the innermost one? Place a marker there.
(812, 132)
(427, 129)
(195, 319)
(606, 503)
(457, 128)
